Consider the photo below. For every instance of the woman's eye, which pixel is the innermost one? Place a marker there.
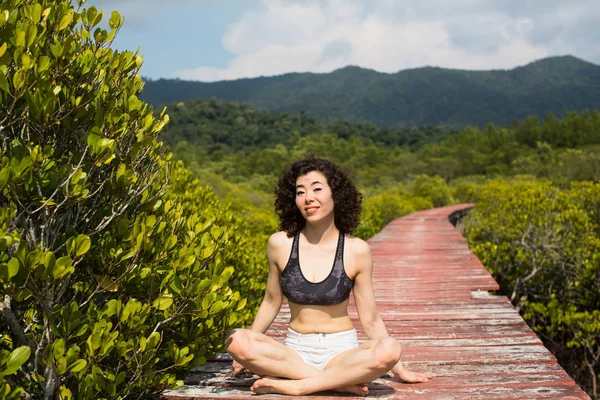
(299, 193)
(317, 189)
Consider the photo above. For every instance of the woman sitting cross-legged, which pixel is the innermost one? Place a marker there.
(315, 263)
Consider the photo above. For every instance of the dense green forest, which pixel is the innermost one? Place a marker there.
(220, 127)
(128, 250)
(410, 98)
(243, 145)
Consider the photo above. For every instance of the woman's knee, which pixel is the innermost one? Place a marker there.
(387, 353)
(238, 344)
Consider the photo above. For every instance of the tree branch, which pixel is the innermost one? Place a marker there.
(14, 325)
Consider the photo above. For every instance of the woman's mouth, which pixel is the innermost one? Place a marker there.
(311, 210)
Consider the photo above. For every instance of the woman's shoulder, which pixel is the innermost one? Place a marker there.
(357, 256)
(357, 246)
(279, 240)
(278, 248)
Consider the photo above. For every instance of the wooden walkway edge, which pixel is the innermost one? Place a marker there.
(432, 293)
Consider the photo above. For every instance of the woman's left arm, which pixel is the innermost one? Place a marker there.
(364, 297)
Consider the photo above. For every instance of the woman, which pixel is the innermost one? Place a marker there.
(318, 207)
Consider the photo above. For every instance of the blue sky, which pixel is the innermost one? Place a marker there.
(211, 40)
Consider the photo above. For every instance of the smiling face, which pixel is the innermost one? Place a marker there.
(314, 197)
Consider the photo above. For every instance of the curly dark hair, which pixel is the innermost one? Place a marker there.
(346, 198)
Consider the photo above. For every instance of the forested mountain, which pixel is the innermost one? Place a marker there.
(223, 127)
(409, 98)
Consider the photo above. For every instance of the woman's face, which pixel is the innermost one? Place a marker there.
(313, 196)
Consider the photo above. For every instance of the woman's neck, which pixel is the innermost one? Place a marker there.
(321, 231)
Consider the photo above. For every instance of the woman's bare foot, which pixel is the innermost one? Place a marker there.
(269, 384)
(359, 390)
(409, 376)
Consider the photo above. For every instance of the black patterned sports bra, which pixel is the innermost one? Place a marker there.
(332, 290)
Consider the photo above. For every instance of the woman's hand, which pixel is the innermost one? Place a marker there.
(238, 369)
(407, 376)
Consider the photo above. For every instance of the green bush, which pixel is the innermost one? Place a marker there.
(381, 209)
(433, 188)
(542, 245)
(247, 228)
(115, 265)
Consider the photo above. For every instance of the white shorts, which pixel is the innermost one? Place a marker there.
(317, 349)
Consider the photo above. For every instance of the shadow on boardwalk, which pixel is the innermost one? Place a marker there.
(433, 295)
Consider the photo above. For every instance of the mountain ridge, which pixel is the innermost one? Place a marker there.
(407, 98)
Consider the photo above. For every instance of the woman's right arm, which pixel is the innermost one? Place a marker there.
(269, 308)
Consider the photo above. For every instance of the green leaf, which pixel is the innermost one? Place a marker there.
(133, 103)
(188, 261)
(58, 348)
(216, 307)
(65, 21)
(93, 341)
(93, 139)
(226, 274)
(208, 250)
(36, 13)
(77, 366)
(17, 358)
(21, 40)
(163, 302)
(18, 80)
(71, 246)
(56, 50)
(65, 393)
(61, 365)
(2, 49)
(208, 300)
(3, 17)
(98, 19)
(128, 255)
(110, 308)
(13, 267)
(62, 267)
(151, 221)
(25, 60)
(204, 284)
(241, 304)
(77, 175)
(153, 340)
(120, 378)
(171, 241)
(82, 245)
(43, 63)
(115, 20)
(4, 82)
(176, 284)
(157, 205)
(31, 35)
(122, 226)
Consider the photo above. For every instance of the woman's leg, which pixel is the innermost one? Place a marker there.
(265, 356)
(366, 363)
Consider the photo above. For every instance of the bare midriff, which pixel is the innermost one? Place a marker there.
(320, 319)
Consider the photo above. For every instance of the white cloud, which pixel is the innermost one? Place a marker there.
(321, 35)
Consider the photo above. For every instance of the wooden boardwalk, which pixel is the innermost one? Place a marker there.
(432, 294)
